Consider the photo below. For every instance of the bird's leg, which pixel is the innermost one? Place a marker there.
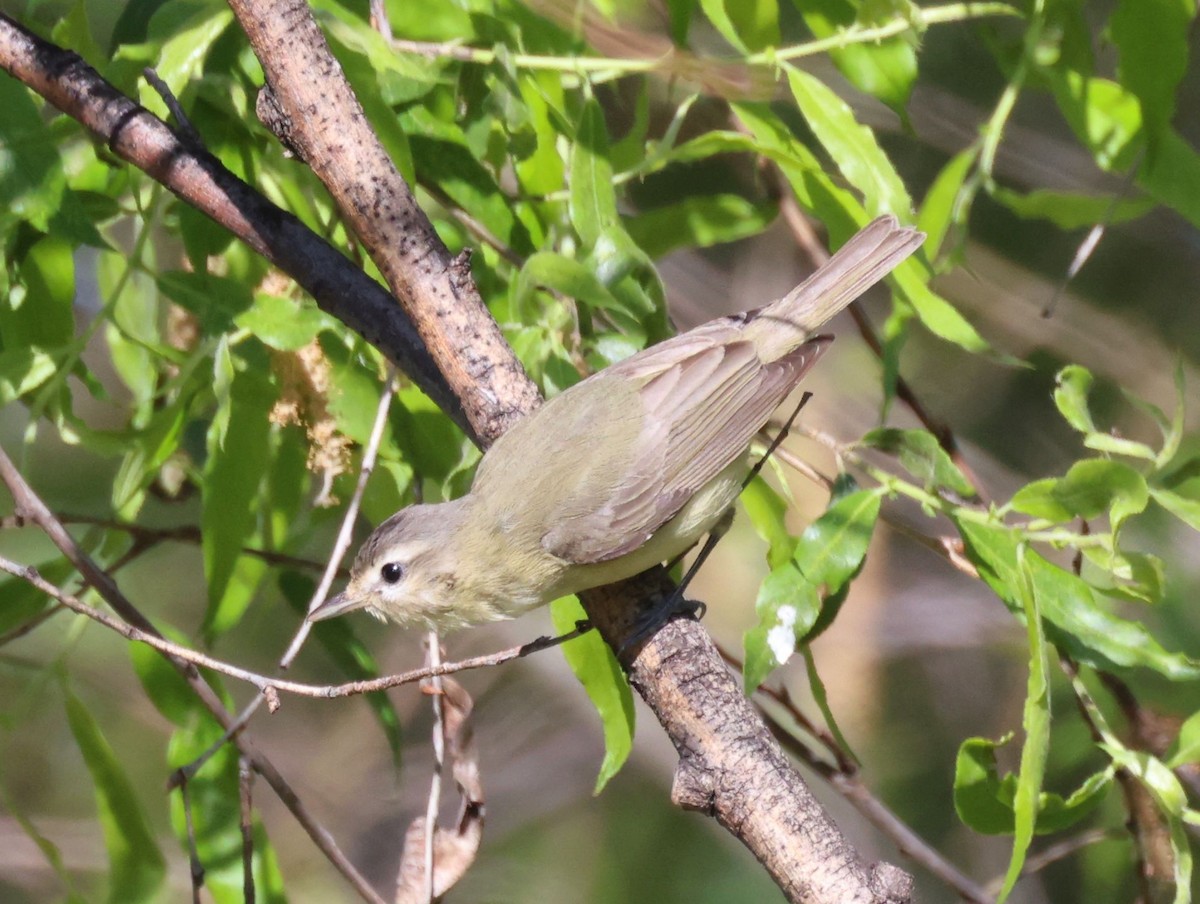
(779, 438)
(675, 602)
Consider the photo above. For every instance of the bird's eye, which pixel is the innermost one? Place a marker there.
(392, 572)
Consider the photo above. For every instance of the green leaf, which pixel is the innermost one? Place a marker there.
(1186, 747)
(1137, 577)
(1151, 37)
(852, 146)
(550, 270)
(215, 300)
(593, 202)
(22, 370)
(1039, 499)
(232, 476)
(136, 866)
(699, 221)
(936, 314)
(984, 800)
(192, 29)
(767, 511)
(1076, 620)
(748, 25)
(20, 601)
(1106, 442)
(886, 69)
(1073, 384)
(1185, 509)
(32, 181)
(164, 686)
(831, 549)
(922, 456)
(41, 315)
(1095, 486)
(788, 606)
(1036, 722)
(1072, 210)
(801, 596)
(598, 671)
(285, 324)
(939, 211)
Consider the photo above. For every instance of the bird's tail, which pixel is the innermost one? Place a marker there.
(866, 258)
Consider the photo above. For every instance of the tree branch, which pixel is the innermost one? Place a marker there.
(730, 766)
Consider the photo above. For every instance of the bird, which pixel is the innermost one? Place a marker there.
(625, 470)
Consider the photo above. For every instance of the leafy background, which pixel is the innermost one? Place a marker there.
(144, 357)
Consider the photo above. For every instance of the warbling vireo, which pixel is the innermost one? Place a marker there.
(624, 470)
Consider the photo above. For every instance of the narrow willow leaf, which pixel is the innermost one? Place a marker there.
(788, 605)
(699, 222)
(939, 211)
(1186, 747)
(136, 866)
(922, 456)
(598, 671)
(1096, 486)
(1077, 622)
(1036, 722)
(851, 145)
(233, 474)
(886, 69)
(593, 202)
(984, 799)
(1151, 37)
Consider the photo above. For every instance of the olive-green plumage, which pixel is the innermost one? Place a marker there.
(622, 471)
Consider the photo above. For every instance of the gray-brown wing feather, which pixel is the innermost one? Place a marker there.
(705, 395)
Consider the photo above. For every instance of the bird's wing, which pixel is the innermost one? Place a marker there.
(704, 396)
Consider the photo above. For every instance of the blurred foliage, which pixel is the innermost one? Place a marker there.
(572, 148)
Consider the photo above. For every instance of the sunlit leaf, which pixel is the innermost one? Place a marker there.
(597, 669)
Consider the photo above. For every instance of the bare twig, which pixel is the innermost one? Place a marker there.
(246, 799)
(266, 683)
(434, 659)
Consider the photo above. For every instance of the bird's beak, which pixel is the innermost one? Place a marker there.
(334, 606)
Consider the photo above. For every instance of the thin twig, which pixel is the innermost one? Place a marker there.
(434, 659)
(246, 798)
(266, 683)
